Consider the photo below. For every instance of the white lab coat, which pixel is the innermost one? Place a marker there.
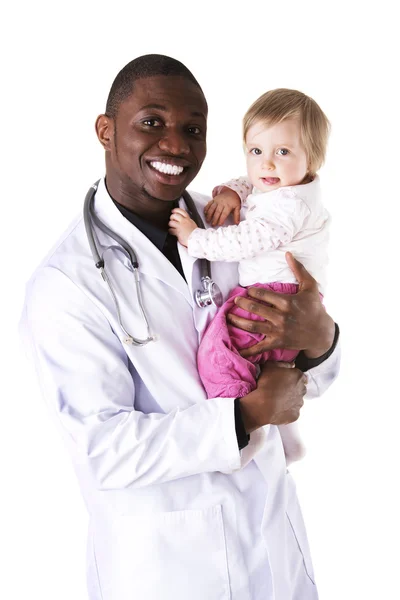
(176, 511)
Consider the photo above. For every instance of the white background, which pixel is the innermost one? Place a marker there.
(58, 62)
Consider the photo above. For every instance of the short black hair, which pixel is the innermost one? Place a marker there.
(148, 65)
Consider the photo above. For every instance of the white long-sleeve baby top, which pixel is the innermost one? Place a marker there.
(287, 219)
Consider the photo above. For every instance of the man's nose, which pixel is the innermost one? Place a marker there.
(174, 142)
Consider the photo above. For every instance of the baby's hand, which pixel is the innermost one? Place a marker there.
(218, 209)
(181, 225)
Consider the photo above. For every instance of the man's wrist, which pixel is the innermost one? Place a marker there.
(305, 363)
(326, 338)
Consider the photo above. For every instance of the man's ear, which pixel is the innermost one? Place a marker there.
(105, 131)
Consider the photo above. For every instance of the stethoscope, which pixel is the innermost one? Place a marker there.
(209, 295)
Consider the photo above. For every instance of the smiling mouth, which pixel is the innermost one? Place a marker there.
(270, 180)
(167, 168)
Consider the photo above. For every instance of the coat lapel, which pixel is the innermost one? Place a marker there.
(151, 261)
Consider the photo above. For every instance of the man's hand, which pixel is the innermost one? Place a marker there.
(296, 322)
(181, 225)
(278, 398)
(225, 203)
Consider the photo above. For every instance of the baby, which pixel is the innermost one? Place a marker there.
(285, 136)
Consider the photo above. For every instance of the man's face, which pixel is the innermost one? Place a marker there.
(158, 138)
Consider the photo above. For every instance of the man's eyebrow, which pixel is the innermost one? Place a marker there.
(156, 106)
(165, 109)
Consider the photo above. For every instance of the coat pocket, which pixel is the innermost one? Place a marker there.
(170, 556)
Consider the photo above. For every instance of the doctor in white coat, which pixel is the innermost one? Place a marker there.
(189, 499)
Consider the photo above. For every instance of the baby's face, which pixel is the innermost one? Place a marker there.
(275, 155)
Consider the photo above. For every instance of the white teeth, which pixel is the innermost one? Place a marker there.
(166, 168)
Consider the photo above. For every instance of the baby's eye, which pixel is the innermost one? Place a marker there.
(194, 130)
(282, 151)
(255, 151)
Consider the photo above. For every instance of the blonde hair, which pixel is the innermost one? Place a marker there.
(278, 105)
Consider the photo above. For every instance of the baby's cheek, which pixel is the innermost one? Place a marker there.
(251, 172)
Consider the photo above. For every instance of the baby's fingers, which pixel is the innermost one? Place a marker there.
(209, 210)
(174, 219)
(220, 215)
(223, 215)
(179, 211)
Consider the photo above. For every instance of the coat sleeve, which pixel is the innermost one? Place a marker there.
(84, 375)
(320, 378)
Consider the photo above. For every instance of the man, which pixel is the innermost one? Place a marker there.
(187, 498)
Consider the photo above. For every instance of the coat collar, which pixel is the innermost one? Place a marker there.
(151, 261)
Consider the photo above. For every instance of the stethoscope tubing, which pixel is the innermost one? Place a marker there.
(90, 219)
(90, 216)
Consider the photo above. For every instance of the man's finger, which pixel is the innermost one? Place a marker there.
(248, 324)
(256, 349)
(262, 310)
(306, 281)
(285, 365)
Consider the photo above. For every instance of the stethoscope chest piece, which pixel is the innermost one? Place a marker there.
(210, 294)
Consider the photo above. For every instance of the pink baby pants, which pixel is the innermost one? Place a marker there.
(224, 373)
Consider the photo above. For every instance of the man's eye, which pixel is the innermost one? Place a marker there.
(195, 130)
(255, 151)
(152, 122)
(283, 151)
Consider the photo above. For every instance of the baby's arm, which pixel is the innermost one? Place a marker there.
(282, 218)
(227, 199)
(235, 242)
(228, 243)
